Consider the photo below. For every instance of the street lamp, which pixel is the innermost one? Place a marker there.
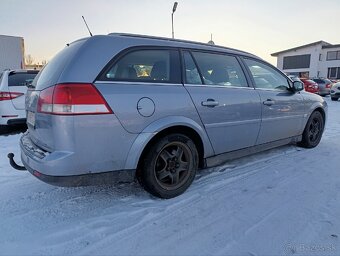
(172, 18)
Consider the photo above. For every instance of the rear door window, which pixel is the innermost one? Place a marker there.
(20, 79)
(153, 66)
(192, 75)
(219, 69)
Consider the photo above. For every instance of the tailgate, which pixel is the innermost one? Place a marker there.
(39, 125)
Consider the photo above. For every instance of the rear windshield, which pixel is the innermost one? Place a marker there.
(319, 81)
(20, 79)
(50, 73)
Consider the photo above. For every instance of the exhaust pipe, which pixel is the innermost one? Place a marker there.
(14, 164)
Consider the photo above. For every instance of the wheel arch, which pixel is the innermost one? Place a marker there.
(317, 106)
(160, 129)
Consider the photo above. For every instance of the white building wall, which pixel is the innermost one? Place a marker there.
(314, 51)
(11, 52)
(324, 64)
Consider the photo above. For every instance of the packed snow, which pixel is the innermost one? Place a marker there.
(284, 201)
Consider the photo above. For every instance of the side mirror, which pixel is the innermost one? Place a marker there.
(298, 86)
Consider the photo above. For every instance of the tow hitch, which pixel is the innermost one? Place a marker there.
(14, 164)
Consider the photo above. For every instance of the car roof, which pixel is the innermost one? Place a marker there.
(181, 43)
(143, 40)
(99, 50)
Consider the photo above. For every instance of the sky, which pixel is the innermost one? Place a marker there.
(260, 27)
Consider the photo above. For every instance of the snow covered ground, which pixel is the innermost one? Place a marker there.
(281, 202)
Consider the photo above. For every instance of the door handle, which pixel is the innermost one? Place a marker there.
(268, 102)
(210, 103)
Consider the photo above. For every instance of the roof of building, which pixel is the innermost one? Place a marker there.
(11, 36)
(324, 44)
(331, 46)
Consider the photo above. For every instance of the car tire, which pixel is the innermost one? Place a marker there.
(313, 131)
(169, 166)
(334, 99)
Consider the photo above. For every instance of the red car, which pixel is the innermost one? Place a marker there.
(310, 85)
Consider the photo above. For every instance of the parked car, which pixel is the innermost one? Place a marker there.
(158, 109)
(335, 91)
(13, 87)
(294, 78)
(324, 86)
(310, 85)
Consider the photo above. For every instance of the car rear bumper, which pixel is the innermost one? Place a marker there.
(335, 93)
(324, 91)
(85, 179)
(105, 151)
(34, 159)
(9, 114)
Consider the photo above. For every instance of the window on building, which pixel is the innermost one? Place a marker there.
(334, 72)
(320, 57)
(333, 55)
(296, 61)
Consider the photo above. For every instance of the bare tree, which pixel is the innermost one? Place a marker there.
(29, 60)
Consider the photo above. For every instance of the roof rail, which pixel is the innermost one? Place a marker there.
(174, 40)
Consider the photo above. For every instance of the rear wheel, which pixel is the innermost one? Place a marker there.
(170, 166)
(334, 99)
(313, 131)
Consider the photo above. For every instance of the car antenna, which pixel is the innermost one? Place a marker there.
(87, 26)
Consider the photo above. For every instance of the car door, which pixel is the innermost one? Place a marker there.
(228, 108)
(282, 108)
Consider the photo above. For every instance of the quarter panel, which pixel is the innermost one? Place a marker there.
(168, 99)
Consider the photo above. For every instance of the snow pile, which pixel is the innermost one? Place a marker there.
(282, 202)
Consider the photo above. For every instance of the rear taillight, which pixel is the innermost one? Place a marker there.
(9, 95)
(328, 85)
(72, 99)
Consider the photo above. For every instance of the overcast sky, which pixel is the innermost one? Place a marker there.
(257, 26)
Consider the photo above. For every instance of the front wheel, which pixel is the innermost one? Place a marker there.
(313, 131)
(170, 166)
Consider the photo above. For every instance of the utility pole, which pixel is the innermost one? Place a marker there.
(172, 18)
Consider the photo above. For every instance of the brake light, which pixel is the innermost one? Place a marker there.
(328, 85)
(9, 95)
(72, 99)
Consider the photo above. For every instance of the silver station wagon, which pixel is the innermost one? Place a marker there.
(120, 106)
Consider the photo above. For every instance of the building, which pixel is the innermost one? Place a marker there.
(11, 52)
(319, 59)
(34, 66)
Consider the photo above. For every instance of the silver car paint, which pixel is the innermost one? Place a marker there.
(238, 112)
(78, 145)
(284, 118)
